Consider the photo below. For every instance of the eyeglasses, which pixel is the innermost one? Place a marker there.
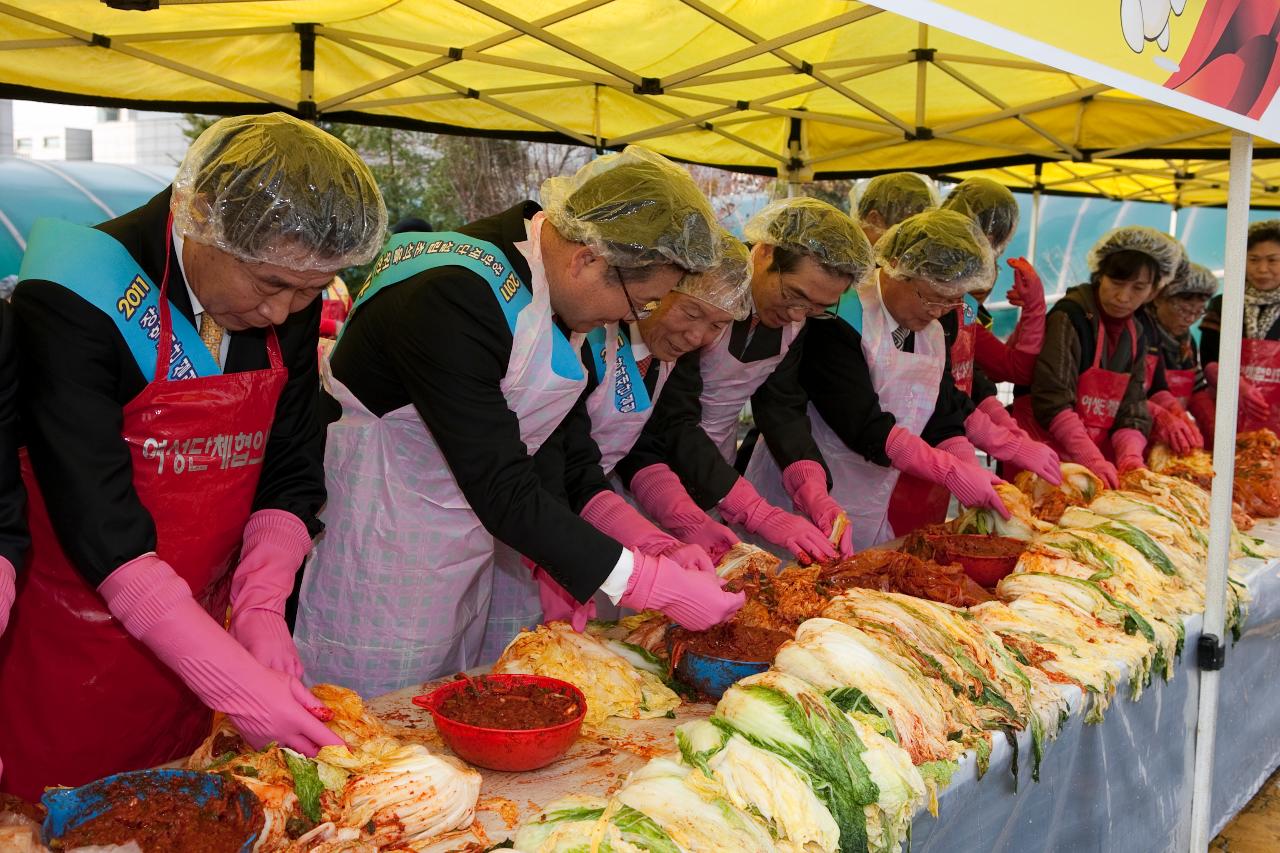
(1192, 308)
(637, 312)
(794, 301)
(944, 308)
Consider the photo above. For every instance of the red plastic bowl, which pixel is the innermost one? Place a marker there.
(506, 749)
(967, 550)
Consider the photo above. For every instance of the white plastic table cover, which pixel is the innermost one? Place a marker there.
(1124, 784)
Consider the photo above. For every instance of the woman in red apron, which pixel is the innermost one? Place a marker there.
(1260, 349)
(1087, 398)
(173, 472)
(1167, 324)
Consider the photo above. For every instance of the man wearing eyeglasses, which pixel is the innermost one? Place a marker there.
(883, 413)
(459, 359)
(805, 254)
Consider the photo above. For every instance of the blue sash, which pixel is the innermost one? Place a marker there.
(94, 266)
(629, 391)
(849, 309)
(410, 253)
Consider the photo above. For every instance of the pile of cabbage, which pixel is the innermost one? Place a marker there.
(1100, 596)
(376, 793)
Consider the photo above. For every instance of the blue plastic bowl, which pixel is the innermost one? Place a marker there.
(70, 807)
(713, 676)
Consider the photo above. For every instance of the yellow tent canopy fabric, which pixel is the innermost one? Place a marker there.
(821, 88)
(1182, 182)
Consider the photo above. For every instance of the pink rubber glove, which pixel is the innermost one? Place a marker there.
(1173, 429)
(743, 505)
(156, 607)
(972, 485)
(1028, 294)
(275, 544)
(693, 599)
(1204, 409)
(559, 605)
(992, 408)
(1252, 403)
(658, 490)
(806, 482)
(1013, 447)
(613, 516)
(1129, 445)
(1173, 407)
(1068, 430)
(8, 591)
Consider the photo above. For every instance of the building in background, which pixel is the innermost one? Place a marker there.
(139, 137)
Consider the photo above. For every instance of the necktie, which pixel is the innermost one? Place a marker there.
(900, 336)
(643, 365)
(211, 334)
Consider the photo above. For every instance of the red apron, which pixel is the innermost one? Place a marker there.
(1153, 361)
(916, 503)
(1099, 393)
(82, 699)
(1260, 364)
(1182, 383)
(962, 349)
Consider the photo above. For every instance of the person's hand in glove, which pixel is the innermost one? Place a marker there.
(1173, 428)
(658, 489)
(611, 515)
(275, 544)
(1027, 293)
(1068, 430)
(806, 482)
(1014, 448)
(1129, 445)
(972, 485)
(156, 607)
(695, 600)
(744, 505)
(557, 604)
(8, 591)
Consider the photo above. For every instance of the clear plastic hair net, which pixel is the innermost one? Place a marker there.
(894, 196)
(811, 227)
(990, 205)
(1157, 245)
(727, 285)
(273, 189)
(635, 208)
(1198, 281)
(941, 247)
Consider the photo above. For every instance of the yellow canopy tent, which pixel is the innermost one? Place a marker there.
(817, 89)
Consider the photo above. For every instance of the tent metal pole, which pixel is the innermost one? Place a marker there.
(1035, 218)
(1224, 445)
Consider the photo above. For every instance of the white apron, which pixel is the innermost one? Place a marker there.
(620, 405)
(907, 386)
(398, 588)
(727, 385)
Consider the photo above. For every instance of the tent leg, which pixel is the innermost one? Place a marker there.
(1173, 222)
(1035, 226)
(1224, 442)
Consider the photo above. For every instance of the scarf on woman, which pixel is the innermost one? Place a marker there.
(1261, 310)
